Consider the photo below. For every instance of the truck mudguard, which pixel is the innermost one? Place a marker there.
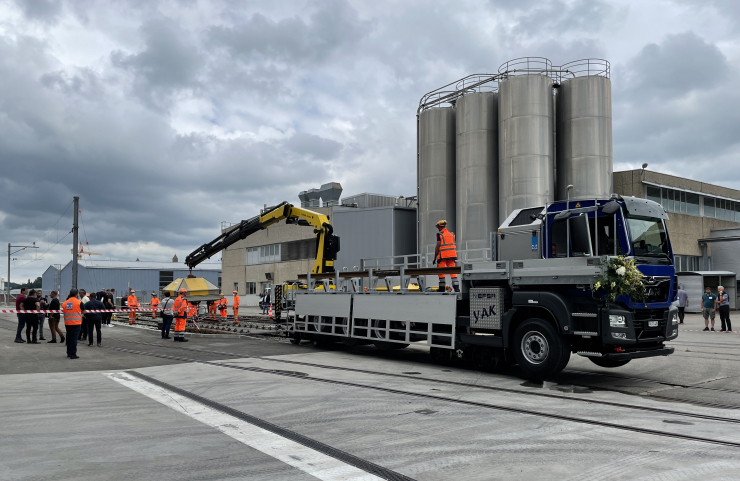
(551, 301)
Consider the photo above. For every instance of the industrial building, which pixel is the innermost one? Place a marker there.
(704, 219)
(281, 252)
(144, 277)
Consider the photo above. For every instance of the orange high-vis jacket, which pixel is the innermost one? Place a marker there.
(236, 301)
(180, 309)
(222, 303)
(155, 303)
(72, 310)
(192, 311)
(132, 301)
(447, 248)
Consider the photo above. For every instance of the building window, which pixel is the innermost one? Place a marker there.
(219, 282)
(653, 193)
(236, 287)
(253, 256)
(708, 207)
(251, 288)
(269, 253)
(165, 278)
(687, 263)
(692, 203)
(668, 200)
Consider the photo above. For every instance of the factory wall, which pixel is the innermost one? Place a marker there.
(685, 230)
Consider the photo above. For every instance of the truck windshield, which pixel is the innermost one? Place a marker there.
(648, 237)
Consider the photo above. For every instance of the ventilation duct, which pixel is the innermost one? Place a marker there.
(330, 193)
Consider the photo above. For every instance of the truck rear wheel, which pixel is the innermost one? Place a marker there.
(538, 349)
(485, 358)
(599, 361)
(441, 356)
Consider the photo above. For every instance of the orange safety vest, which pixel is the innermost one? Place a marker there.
(180, 308)
(236, 300)
(192, 311)
(72, 312)
(155, 303)
(447, 248)
(222, 304)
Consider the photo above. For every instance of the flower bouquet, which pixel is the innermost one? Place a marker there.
(621, 278)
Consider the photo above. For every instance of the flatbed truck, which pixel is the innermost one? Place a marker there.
(534, 301)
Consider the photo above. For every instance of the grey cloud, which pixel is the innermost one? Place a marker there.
(313, 146)
(334, 26)
(170, 61)
(46, 11)
(681, 63)
(558, 16)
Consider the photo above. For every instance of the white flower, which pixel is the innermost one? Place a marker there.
(621, 271)
(614, 284)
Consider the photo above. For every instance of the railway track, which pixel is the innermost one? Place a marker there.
(483, 405)
(450, 383)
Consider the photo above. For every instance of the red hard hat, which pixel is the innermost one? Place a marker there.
(183, 290)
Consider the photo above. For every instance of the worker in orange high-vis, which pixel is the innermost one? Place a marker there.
(222, 305)
(192, 310)
(133, 304)
(445, 254)
(180, 310)
(155, 305)
(236, 306)
(212, 310)
(73, 311)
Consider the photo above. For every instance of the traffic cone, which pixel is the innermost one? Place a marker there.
(270, 314)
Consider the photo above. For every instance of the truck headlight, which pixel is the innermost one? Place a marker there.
(674, 319)
(617, 321)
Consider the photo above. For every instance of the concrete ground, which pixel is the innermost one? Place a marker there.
(69, 419)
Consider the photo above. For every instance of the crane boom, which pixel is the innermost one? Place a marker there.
(327, 244)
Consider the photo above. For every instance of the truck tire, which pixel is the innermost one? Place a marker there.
(538, 349)
(608, 362)
(295, 338)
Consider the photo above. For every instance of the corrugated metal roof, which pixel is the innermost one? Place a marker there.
(103, 264)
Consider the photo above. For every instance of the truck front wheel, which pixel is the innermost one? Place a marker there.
(539, 350)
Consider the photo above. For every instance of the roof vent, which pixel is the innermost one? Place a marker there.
(330, 193)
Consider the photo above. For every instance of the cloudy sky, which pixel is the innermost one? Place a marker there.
(168, 117)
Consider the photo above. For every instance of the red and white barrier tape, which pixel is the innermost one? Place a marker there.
(22, 311)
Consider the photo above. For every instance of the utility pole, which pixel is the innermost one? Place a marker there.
(75, 241)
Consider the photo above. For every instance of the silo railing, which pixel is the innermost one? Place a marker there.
(527, 66)
(585, 67)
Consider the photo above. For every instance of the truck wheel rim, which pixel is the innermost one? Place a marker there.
(535, 347)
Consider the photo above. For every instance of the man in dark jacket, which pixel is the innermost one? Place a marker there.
(21, 317)
(94, 319)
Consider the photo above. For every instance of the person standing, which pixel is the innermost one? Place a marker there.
(266, 302)
(683, 303)
(212, 310)
(236, 307)
(155, 305)
(445, 254)
(110, 303)
(42, 306)
(167, 304)
(180, 309)
(84, 299)
(21, 317)
(723, 301)
(708, 307)
(54, 319)
(222, 305)
(133, 303)
(94, 319)
(73, 311)
(31, 303)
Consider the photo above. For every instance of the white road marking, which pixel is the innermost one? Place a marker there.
(297, 455)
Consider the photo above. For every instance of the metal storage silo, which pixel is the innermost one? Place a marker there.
(477, 169)
(526, 154)
(436, 172)
(584, 130)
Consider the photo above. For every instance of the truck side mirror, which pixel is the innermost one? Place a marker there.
(611, 208)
